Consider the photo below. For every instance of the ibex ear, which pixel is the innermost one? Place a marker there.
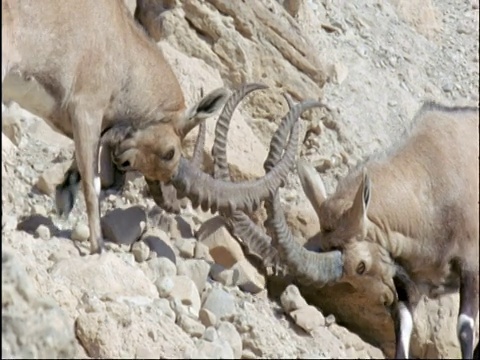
(359, 208)
(312, 185)
(211, 104)
(119, 142)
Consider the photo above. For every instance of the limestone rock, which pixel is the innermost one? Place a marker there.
(43, 232)
(51, 177)
(195, 269)
(292, 300)
(219, 349)
(140, 251)
(220, 303)
(80, 232)
(186, 247)
(33, 325)
(125, 328)
(207, 317)
(190, 325)
(186, 291)
(224, 249)
(308, 318)
(228, 332)
(104, 274)
(8, 148)
(164, 286)
(161, 267)
(202, 252)
(247, 277)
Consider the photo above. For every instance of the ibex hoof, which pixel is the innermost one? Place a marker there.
(98, 247)
(66, 192)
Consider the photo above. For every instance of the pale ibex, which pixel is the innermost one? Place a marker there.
(87, 67)
(413, 228)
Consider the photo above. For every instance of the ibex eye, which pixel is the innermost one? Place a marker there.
(169, 155)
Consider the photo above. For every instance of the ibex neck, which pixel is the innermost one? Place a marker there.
(150, 90)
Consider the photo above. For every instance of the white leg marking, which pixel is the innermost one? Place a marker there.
(99, 160)
(465, 319)
(97, 184)
(406, 327)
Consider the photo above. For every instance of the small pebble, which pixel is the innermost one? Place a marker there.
(43, 232)
(80, 232)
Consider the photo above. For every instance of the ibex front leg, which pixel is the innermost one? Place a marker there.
(86, 135)
(468, 311)
(402, 312)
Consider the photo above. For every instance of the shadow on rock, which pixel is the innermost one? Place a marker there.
(31, 223)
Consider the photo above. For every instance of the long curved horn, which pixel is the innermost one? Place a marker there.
(241, 226)
(216, 194)
(309, 267)
(197, 156)
(219, 149)
(256, 242)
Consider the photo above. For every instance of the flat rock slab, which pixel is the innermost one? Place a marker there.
(160, 247)
(123, 226)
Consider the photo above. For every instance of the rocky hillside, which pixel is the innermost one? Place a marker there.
(181, 286)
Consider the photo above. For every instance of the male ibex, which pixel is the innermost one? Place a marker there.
(413, 228)
(87, 67)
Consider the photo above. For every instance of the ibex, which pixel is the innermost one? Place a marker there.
(86, 67)
(413, 228)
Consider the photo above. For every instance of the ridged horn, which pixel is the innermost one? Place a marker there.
(310, 268)
(219, 149)
(217, 194)
(256, 241)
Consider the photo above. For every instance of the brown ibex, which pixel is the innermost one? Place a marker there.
(87, 67)
(413, 228)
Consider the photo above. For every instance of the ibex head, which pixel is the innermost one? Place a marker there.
(346, 227)
(155, 148)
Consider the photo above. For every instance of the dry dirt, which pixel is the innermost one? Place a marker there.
(372, 62)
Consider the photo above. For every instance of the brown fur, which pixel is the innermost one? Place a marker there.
(414, 226)
(94, 68)
(424, 207)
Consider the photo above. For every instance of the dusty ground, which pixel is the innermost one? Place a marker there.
(381, 60)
